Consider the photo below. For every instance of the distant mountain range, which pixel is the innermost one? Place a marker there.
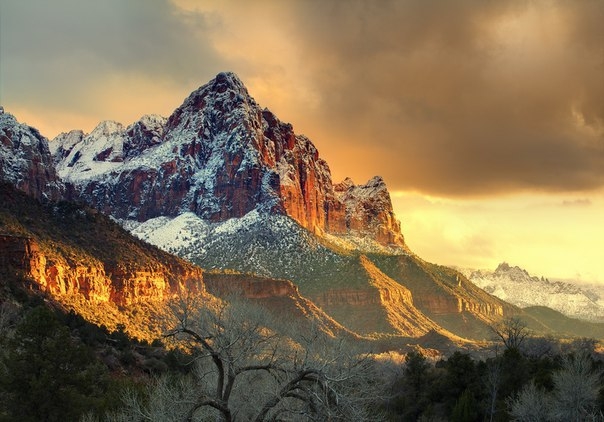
(515, 285)
(226, 185)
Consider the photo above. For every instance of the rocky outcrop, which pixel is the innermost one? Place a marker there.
(220, 156)
(249, 286)
(446, 296)
(25, 160)
(118, 285)
(368, 210)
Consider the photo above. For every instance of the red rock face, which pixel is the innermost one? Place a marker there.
(249, 286)
(281, 297)
(118, 285)
(221, 156)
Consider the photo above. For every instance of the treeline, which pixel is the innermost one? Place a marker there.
(237, 362)
(512, 385)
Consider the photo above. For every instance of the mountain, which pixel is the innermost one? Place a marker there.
(225, 184)
(338, 279)
(367, 291)
(219, 156)
(25, 161)
(85, 262)
(515, 285)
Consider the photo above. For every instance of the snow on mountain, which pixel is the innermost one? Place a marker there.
(79, 157)
(260, 243)
(86, 157)
(359, 199)
(515, 285)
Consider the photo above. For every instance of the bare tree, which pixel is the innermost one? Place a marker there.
(574, 397)
(492, 381)
(511, 331)
(245, 370)
(576, 390)
(530, 405)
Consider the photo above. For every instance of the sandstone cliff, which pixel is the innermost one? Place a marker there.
(279, 296)
(121, 285)
(446, 296)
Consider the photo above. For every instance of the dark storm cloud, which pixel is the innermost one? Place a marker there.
(54, 51)
(464, 97)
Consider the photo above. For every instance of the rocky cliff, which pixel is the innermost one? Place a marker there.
(279, 296)
(220, 156)
(225, 184)
(25, 160)
(123, 285)
(382, 306)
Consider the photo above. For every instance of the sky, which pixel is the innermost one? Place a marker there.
(485, 117)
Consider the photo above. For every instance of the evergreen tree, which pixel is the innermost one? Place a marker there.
(465, 410)
(47, 375)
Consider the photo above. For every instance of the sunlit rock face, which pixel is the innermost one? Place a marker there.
(119, 284)
(25, 160)
(220, 156)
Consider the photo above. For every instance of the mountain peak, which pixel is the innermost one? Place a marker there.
(504, 266)
(227, 80)
(221, 156)
(107, 128)
(517, 286)
(376, 182)
(224, 82)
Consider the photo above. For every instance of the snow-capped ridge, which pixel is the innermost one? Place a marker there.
(519, 287)
(107, 128)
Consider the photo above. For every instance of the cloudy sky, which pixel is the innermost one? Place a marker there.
(486, 118)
